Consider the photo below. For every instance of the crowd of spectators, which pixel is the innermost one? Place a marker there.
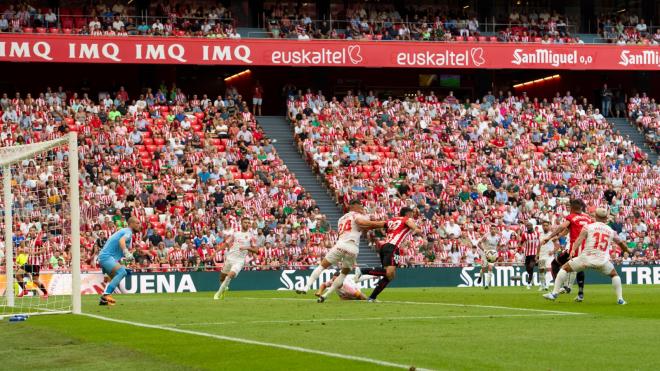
(627, 29)
(468, 166)
(645, 113)
(187, 166)
(437, 23)
(206, 20)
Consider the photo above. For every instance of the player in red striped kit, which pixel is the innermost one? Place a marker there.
(398, 229)
(531, 241)
(574, 223)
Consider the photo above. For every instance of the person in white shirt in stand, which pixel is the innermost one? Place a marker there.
(345, 251)
(239, 244)
(303, 36)
(597, 238)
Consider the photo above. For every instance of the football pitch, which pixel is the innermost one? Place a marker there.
(438, 328)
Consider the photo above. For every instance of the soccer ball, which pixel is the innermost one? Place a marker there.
(491, 256)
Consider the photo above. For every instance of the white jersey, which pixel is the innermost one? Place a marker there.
(547, 249)
(348, 228)
(490, 242)
(598, 241)
(242, 241)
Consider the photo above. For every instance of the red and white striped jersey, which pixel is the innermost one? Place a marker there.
(397, 230)
(531, 241)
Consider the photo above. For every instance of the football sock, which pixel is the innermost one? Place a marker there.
(119, 275)
(314, 277)
(486, 279)
(559, 281)
(374, 271)
(43, 288)
(21, 284)
(225, 284)
(366, 277)
(555, 268)
(543, 279)
(530, 272)
(382, 284)
(571, 279)
(580, 282)
(336, 284)
(616, 283)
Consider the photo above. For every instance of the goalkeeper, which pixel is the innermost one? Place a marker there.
(114, 249)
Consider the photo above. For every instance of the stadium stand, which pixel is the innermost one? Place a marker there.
(361, 21)
(645, 113)
(187, 169)
(496, 162)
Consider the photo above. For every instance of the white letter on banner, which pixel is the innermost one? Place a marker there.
(186, 284)
(42, 50)
(644, 276)
(242, 53)
(165, 283)
(111, 51)
(147, 284)
(21, 50)
(177, 51)
(89, 51)
(628, 271)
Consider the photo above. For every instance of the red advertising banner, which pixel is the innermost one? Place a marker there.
(328, 53)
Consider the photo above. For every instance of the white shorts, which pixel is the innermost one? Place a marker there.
(545, 262)
(233, 265)
(345, 253)
(257, 101)
(582, 262)
(484, 260)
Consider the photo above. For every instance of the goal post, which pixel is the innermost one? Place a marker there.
(41, 196)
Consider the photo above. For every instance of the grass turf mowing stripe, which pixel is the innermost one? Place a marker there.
(442, 304)
(260, 343)
(362, 319)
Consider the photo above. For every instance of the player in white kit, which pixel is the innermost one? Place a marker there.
(239, 244)
(598, 238)
(490, 241)
(350, 290)
(546, 255)
(346, 249)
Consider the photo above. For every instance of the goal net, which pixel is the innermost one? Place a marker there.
(40, 242)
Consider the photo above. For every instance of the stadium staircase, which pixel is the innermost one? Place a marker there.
(277, 127)
(627, 128)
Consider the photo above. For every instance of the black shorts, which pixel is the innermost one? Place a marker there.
(563, 258)
(530, 259)
(389, 255)
(32, 269)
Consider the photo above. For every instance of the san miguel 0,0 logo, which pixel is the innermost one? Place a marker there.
(643, 58)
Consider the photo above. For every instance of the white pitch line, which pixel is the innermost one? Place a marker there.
(442, 304)
(362, 319)
(255, 342)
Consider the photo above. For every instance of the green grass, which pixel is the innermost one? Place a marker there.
(604, 337)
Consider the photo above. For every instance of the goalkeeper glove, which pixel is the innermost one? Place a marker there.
(128, 255)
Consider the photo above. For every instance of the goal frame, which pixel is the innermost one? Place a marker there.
(11, 155)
